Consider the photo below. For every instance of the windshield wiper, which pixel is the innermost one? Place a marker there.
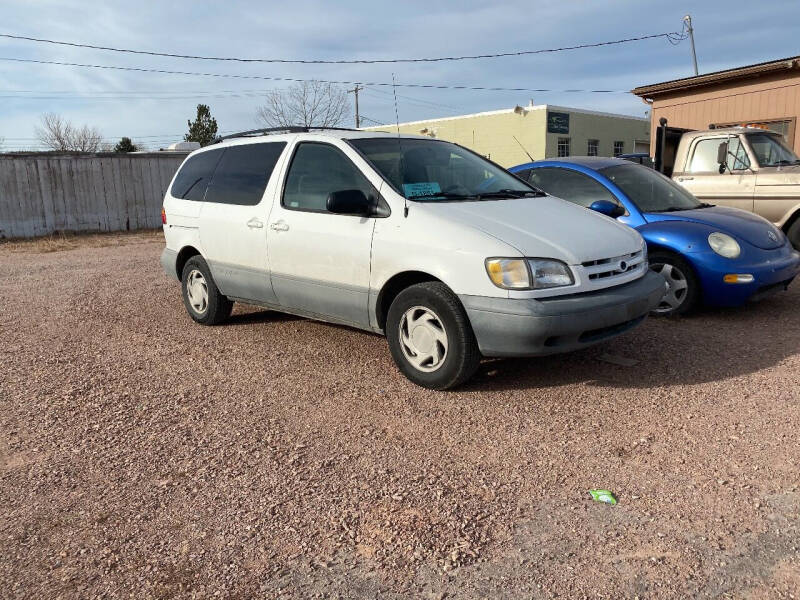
(705, 205)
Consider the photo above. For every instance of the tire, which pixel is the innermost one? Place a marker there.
(684, 292)
(793, 233)
(439, 351)
(201, 297)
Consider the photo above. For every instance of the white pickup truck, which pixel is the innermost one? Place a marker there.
(742, 167)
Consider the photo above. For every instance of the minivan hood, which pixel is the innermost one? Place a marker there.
(543, 227)
(739, 223)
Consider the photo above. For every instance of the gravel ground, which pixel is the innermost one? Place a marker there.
(144, 456)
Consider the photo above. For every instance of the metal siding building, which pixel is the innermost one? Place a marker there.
(538, 129)
(765, 94)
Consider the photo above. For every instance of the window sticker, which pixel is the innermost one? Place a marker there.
(428, 188)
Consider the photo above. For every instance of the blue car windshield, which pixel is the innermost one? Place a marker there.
(438, 171)
(649, 190)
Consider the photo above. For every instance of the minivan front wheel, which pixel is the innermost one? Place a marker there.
(203, 300)
(430, 337)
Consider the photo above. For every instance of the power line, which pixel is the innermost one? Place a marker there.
(672, 36)
(414, 100)
(296, 80)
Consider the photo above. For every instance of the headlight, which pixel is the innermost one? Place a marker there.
(724, 245)
(509, 273)
(549, 273)
(528, 274)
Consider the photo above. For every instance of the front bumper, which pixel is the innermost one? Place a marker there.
(772, 270)
(536, 327)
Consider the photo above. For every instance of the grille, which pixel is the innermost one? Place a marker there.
(604, 268)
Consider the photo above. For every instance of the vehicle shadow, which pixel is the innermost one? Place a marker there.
(252, 315)
(708, 345)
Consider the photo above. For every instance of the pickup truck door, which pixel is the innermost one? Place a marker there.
(700, 173)
(320, 261)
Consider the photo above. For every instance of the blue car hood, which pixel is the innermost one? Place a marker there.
(751, 228)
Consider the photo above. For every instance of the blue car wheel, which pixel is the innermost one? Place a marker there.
(684, 288)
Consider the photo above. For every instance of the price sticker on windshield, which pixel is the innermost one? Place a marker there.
(427, 188)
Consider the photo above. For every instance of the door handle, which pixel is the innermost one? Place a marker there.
(279, 226)
(254, 223)
(685, 178)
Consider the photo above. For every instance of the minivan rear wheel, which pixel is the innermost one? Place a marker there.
(203, 300)
(430, 337)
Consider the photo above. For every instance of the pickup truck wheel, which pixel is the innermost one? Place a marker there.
(684, 288)
(430, 337)
(794, 234)
(203, 300)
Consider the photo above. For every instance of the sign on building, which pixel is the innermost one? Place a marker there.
(557, 122)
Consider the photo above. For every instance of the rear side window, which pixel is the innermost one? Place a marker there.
(570, 185)
(194, 176)
(243, 172)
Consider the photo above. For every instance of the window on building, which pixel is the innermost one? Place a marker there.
(563, 146)
(243, 172)
(619, 148)
(591, 147)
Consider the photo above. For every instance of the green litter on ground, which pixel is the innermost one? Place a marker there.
(604, 496)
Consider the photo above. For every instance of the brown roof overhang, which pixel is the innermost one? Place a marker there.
(648, 91)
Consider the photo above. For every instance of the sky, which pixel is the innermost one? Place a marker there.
(153, 108)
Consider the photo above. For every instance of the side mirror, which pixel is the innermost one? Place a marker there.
(722, 156)
(349, 202)
(607, 208)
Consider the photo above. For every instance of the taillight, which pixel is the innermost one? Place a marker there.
(163, 216)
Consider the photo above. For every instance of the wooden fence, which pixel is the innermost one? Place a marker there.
(42, 193)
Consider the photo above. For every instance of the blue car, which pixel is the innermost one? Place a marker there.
(714, 255)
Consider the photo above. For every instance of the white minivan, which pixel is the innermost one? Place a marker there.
(444, 252)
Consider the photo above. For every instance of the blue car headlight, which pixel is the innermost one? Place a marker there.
(724, 245)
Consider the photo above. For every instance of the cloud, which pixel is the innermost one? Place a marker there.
(740, 34)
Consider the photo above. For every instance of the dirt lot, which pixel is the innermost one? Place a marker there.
(144, 456)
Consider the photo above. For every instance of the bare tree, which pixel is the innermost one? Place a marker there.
(59, 134)
(309, 104)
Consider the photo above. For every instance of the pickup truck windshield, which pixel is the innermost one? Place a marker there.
(649, 190)
(438, 171)
(770, 150)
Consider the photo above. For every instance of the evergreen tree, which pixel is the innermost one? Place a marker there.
(204, 128)
(125, 145)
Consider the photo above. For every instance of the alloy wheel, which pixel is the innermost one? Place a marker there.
(678, 287)
(423, 339)
(197, 291)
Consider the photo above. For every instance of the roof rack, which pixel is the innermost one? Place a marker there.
(277, 130)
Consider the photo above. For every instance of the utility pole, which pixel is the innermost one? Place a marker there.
(355, 91)
(688, 20)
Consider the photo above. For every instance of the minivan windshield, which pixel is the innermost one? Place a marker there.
(770, 151)
(438, 171)
(649, 190)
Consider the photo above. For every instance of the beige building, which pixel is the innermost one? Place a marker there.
(544, 130)
(763, 95)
